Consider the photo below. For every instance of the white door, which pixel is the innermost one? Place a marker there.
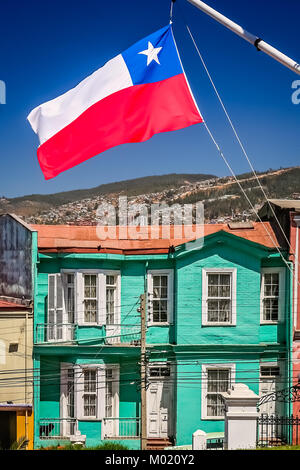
(270, 382)
(160, 403)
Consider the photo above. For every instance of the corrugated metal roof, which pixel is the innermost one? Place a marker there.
(11, 305)
(72, 238)
(292, 204)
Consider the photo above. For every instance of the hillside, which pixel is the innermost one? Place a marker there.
(222, 197)
(35, 203)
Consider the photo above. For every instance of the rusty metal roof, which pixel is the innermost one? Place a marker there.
(84, 239)
(293, 204)
(4, 304)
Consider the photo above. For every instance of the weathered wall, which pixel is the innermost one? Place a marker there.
(15, 259)
(13, 330)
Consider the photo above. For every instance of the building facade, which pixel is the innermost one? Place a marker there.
(18, 257)
(284, 216)
(218, 313)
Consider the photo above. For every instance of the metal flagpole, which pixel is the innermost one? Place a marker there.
(256, 41)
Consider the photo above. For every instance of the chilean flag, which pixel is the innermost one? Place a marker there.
(137, 94)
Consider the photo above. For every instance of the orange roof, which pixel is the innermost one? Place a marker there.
(85, 239)
(11, 305)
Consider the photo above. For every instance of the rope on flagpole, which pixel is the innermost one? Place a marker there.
(231, 170)
(237, 137)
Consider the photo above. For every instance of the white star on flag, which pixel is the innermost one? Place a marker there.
(151, 53)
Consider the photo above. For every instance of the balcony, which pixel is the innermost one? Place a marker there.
(55, 332)
(122, 334)
(121, 428)
(67, 428)
(116, 334)
(57, 428)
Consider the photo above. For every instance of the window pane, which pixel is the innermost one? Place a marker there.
(218, 380)
(90, 392)
(270, 309)
(160, 299)
(219, 289)
(109, 393)
(267, 371)
(70, 301)
(70, 394)
(110, 299)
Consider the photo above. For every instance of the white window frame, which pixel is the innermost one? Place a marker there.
(115, 389)
(281, 297)
(63, 395)
(56, 330)
(205, 272)
(118, 295)
(271, 365)
(110, 426)
(170, 301)
(204, 388)
(101, 295)
(100, 389)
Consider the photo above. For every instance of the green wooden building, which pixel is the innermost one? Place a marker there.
(218, 313)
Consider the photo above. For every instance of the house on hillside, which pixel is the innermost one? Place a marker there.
(218, 312)
(18, 257)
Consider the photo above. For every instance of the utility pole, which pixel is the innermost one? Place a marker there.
(143, 374)
(255, 40)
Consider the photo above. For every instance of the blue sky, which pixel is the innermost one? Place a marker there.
(48, 47)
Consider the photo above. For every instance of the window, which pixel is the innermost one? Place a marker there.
(269, 371)
(67, 401)
(111, 293)
(90, 393)
(161, 371)
(109, 393)
(160, 296)
(70, 297)
(219, 297)
(272, 290)
(112, 378)
(54, 329)
(90, 298)
(215, 380)
(86, 297)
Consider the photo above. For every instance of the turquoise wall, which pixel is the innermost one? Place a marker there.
(186, 342)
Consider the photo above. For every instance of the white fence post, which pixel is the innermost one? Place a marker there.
(199, 440)
(240, 417)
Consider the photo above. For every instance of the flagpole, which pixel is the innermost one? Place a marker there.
(256, 41)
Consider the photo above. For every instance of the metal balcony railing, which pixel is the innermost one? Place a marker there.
(66, 332)
(55, 332)
(121, 428)
(123, 334)
(54, 428)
